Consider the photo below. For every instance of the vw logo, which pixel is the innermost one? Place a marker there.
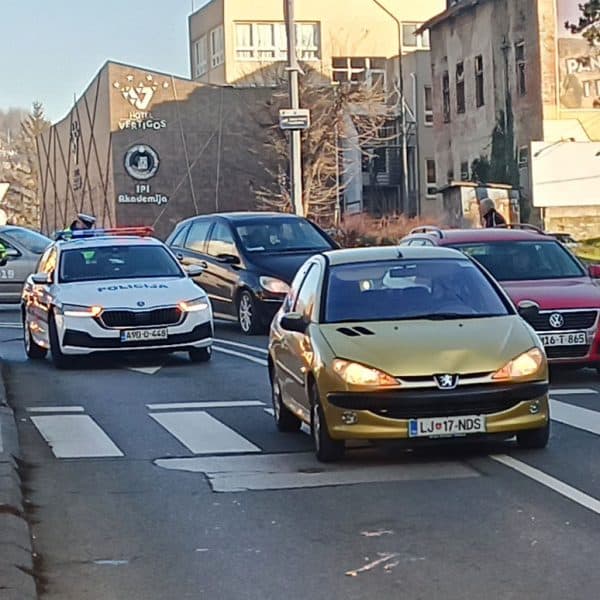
(141, 303)
(446, 382)
(556, 320)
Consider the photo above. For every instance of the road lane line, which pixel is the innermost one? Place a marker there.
(240, 345)
(258, 361)
(572, 391)
(178, 405)
(202, 434)
(575, 416)
(562, 488)
(75, 436)
(11, 325)
(55, 409)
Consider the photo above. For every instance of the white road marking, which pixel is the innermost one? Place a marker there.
(254, 359)
(304, 428)
(558, 486)
(575, 416)
(145, 370)
(75, 436)
(300, 470)
(55, 409)
(270, 411)
(203, 434)
(11, 325)
(240, 345)
(572, 391)
(178, 405)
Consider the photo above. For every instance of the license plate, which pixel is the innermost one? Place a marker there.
(144, 335)
(446, 426)
(574, 338)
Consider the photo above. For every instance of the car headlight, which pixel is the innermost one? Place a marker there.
(196, 305)
(524, 365)
(357, 374)
(273, 285)
(75, 310)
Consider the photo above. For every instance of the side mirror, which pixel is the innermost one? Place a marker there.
(594, 271)
(229, 259)
(12, 253)
(193, 270)
(41, 278)
(294, 322)
(528, 309)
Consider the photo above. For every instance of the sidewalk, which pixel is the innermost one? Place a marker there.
(16, 581)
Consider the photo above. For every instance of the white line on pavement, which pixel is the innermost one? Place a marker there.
(575, 416)
(232, 404)
(304, 428)
(203, 434)
(11, 325)
(75, 436)
(55, 409)
(240, 345)
(572, 391)
(558, 486)
(258, 361)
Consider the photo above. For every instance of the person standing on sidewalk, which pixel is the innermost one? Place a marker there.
(490, 217)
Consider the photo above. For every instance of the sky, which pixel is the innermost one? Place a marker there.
(52, 49)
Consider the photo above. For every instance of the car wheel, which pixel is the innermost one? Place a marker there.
(59, 360)
(200, 355)
(248, 316)
(285, 419)
(533, 439)
(326, 448)
(33, 350)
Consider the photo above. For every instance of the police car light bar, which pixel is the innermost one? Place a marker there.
(88, 233)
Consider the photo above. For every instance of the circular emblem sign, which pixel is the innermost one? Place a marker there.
(141, 162)
(556, 320)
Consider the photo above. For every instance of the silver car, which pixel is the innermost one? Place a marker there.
(24, 247)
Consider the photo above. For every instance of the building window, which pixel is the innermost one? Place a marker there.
(460, 87)
(200, 57)
(431, 177)
(479, 96)
(412, 39)
(217, 51)
(520, 64)
(268, 41)
(446, 96)
(523, 157)
(428, 105)
(355, 70)
(464, 171)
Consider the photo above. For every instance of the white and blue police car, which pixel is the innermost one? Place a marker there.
(107, 290)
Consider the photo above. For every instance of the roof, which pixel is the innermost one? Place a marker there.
(499, 234)
(244, 215)
(374, 253)
(460, 7)
(109, 240)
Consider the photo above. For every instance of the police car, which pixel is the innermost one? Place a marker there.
(113, 290)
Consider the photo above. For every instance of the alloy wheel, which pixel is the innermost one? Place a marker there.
(246, 312)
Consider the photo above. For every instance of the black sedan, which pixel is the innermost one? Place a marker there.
(248, 260)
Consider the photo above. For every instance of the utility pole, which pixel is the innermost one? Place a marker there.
(295, 139)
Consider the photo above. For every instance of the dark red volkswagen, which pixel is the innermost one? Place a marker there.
(554, 291)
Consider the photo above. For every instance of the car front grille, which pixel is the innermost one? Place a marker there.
(555, 352)
(137, 318)
(577, 319)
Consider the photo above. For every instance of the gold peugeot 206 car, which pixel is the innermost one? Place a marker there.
(406, 343)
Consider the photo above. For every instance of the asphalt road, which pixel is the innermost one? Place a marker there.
(168, 481)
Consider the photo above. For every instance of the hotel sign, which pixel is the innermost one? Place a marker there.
(139, 94)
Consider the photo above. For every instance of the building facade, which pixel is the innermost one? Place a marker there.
(507, 74)
(240, 43)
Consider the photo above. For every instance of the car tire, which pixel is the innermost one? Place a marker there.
(59, 360)
(326, 448)
(534, 439)
(285, 419)
(33, 350)
(200, 355)
(248, 315)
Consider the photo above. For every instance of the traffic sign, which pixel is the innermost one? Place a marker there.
(294, 118)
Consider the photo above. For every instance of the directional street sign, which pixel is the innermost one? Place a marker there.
(294, 118)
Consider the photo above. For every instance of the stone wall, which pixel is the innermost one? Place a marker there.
(582, 222)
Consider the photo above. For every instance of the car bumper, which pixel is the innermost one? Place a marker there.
(268, 308)
(386, 415)
(580, 355)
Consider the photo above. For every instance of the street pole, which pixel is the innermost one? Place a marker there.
(295, 139)
(403, 129)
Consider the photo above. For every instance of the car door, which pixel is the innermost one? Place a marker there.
(224, 268)
(13, 273)
(39, 298)
(190, 248)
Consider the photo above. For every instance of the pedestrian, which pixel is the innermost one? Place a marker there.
(83, 221)
(490, 217)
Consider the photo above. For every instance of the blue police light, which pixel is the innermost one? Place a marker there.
(77, 234)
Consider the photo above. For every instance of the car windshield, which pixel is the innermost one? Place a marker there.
(281, 235)
(31, 240)
(410, 289)
(524, 261)
(117, 262)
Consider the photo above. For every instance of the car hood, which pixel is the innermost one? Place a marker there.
(283, 265)
(552, 294)
(423, 347)
(129, 293)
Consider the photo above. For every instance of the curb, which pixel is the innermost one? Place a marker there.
(16, 552)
